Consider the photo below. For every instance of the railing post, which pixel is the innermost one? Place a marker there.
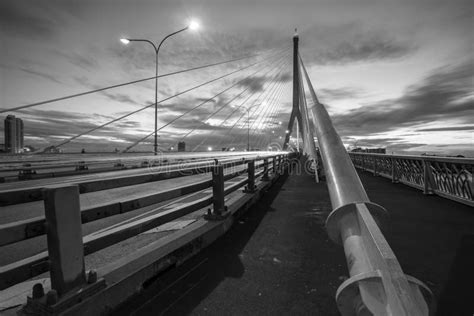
(265, 170)
(394, 170)
(375, 165)
(81, 166)
(219, 210)
(427, 178)
(250, 187)
(218, 189)
(26, 172)
(274, 163)
(64, 234)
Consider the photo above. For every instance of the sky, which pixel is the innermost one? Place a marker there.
(395, 74)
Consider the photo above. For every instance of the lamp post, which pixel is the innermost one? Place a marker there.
(192, 26)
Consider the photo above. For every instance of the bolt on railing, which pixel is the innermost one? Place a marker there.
(377, 284)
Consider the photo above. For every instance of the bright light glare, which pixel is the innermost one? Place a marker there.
(194, 25)
(287, 131)
(209, 148)
(125, 41)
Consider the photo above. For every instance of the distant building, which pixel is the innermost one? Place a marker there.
(369, 150)
(52, 150)
(13, 135)
(181, 146)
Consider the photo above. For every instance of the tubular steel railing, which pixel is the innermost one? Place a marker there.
(66, 247)
(377, 284)
(445, 176)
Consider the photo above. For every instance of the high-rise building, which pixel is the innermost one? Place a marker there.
(13, 134)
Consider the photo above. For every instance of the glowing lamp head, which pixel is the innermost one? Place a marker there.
(125, 41)
(193, 25)
(209, 148)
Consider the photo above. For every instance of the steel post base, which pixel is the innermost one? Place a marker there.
(364, 294)
(249, 189)
(49, 305)
(217, 215)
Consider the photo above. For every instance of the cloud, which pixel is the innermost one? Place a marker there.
(82, 61)
(443, 95)
(21, 21)
(40, 74)
(114, 96)
(255, 83)
(340, 93)
(285, 77)
(351, 43)
(448, 128)
(366, 49)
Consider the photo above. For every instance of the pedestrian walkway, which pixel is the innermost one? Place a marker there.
(278, 260)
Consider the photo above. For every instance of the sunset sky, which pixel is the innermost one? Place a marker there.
(395, 74)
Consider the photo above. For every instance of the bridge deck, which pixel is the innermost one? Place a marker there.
(278, 259)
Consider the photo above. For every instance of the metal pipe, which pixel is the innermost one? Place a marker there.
(377, 284)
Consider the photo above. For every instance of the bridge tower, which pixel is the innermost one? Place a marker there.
(295, 112)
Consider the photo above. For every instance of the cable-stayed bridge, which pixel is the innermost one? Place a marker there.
(141, 231)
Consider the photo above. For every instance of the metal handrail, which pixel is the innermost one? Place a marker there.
(377, 284)
(449, 177)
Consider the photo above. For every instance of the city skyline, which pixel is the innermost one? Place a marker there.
(392, 74)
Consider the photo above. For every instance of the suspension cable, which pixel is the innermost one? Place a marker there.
(185, 113)
(122, 84)
(271, 86)
(150, 105)
(231, 100)
(275, 111)
(263, 110)
(235, 110)
(261, 124)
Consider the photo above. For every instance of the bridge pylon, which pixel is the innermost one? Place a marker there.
(295, 112)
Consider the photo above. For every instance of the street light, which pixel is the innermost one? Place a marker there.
(193, 25)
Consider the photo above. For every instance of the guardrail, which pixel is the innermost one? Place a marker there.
(25, 168)
(93, 183)
(377, 284)
(71, 285)
(444, 176)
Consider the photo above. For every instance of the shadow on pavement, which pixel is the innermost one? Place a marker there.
(167, 294)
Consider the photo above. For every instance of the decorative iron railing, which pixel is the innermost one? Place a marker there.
(444, 176)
